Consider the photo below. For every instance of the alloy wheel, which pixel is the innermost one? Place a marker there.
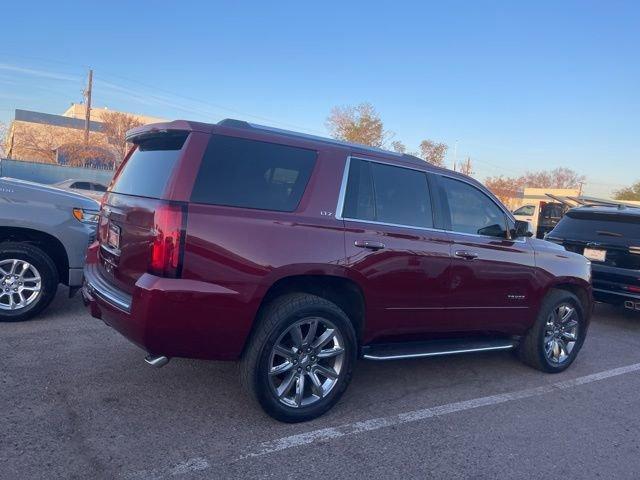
(561, 333)
(20, 284)
(306, 362)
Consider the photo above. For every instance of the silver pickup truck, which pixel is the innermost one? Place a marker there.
(44, 234)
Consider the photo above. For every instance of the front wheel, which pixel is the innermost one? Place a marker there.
(299, 360)
(28, 281)
(555, 339)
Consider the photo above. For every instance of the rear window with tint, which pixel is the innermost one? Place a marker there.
(606, 228)
(147, 172)
(238, 172)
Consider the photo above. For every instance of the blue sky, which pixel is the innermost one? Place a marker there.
(519, 85)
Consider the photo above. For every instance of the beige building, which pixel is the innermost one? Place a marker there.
(47, 138)
(77, 110)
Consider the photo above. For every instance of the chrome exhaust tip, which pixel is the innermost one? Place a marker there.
(157, 361)
(631, 305)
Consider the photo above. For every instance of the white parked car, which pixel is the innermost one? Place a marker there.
(94, 190)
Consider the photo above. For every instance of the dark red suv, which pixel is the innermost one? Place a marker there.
(297, 254)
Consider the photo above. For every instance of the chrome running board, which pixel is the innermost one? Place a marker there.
(435, 348)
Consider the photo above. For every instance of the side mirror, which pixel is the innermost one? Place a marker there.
(522, 229)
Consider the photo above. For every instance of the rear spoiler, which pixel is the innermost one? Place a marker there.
(139, 134)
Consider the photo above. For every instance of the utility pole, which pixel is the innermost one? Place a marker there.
(580, 191)
(87, 107)
(455, 155)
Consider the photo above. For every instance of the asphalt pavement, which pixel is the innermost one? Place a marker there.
(77, 401)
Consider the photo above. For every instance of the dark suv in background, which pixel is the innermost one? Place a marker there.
(298, 254)
(610, 237)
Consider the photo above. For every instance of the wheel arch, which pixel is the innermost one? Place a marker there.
(342, 291)
(580, 290)
(45, 241)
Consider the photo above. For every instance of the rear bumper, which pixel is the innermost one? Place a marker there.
(615, 285)
(173, 317)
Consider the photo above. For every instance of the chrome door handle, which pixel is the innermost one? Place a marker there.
(369, 245)
(466, 254)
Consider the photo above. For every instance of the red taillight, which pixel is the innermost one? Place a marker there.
(166, 247)
(631, 288)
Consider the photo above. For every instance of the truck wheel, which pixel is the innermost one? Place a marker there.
(555, 339)
(28, 281)
(300, 357)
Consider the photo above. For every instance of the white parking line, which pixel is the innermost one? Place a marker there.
(200, 464)
(312, 436)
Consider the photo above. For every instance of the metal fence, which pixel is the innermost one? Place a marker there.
(51, 172)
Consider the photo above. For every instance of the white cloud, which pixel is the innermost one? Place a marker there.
(38, 73)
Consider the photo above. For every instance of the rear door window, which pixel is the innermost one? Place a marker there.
(148, 170)
(239, 172)
(387, 194)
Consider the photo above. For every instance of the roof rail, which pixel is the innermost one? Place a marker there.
(594, 201)
(232, 122)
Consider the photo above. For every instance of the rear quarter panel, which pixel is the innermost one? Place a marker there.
(245, 251)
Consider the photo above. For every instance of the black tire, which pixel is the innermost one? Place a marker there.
(532, 347)
(48, 274)
(273, 321)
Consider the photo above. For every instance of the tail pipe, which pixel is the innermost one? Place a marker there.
(631, 305)
(157, 361)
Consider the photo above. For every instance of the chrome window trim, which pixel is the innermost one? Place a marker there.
(500, 207)
(384, 224)
(343, 189)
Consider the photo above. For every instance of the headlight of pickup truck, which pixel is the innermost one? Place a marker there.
(86, 216)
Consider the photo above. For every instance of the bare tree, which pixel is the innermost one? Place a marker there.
(433, 152)
(504, 188)
(39, 142)
(629, 193)
(42, 142)
(398, 146)
(508, 187)
(561, 177)
(115, 126)
(358, 124)
(4, 133)
(466, 167)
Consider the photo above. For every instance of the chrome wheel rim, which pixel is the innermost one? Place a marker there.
(561, 333)
(20, 284)
(306, 362)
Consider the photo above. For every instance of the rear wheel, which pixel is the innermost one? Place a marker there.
(28, 281)
(300, 357)
(554, 341)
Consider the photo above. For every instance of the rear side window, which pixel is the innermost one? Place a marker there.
(81, 185)
(238, 172)
(147, 171)
(387, 194)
